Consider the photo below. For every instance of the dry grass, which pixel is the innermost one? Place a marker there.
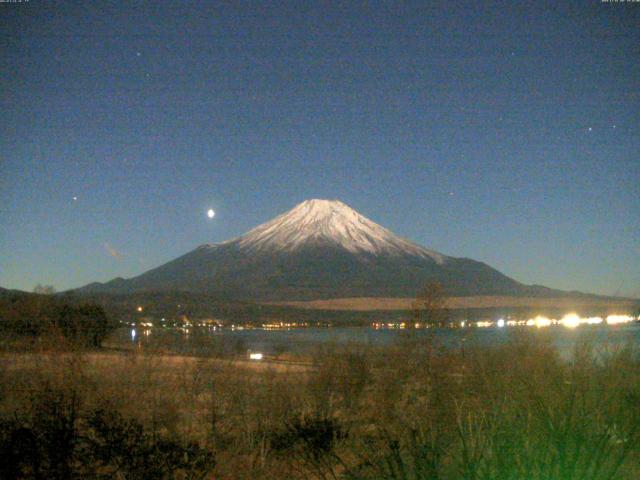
(412, 410)
(377, 303)
(105, 360)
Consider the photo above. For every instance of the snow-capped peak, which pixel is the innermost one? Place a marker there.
(314, 222)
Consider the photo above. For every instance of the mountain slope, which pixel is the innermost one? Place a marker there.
(319, 249)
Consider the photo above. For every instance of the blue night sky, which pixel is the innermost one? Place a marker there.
(506, 132)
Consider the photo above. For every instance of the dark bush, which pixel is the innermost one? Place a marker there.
(317, 436)
(42, 316)
(18, 451)
(115, 445)
(57, 443)
(85, 324)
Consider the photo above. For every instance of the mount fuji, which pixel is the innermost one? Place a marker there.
(320, 249)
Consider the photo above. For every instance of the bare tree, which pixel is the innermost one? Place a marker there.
(430, 306)
(44, 289)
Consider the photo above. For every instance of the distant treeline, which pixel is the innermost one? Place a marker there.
(39, 316)
(176, 305)
(179, 305)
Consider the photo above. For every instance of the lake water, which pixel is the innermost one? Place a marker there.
(201, 340)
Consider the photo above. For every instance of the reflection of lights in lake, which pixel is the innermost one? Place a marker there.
(594, 320)
(570, 320)
(133, 334)
(539, 321)
(255, 356)
(573, 320)
(615, 319)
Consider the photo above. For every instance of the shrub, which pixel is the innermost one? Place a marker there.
(117, 446)
(311, 441)
(58, 443)
(40, 316)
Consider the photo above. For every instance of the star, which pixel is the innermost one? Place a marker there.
(75, 199)
(590, 129)
(138, 54)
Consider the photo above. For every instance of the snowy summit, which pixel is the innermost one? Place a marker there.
(328, 222)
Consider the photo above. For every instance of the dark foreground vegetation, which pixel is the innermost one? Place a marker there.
(407, 411)
(35, 319)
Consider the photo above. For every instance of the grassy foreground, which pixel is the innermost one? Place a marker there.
(408, 411)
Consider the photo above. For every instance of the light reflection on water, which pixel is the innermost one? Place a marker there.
(305, 339)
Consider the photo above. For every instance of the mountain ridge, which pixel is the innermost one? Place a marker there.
(319, 249)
